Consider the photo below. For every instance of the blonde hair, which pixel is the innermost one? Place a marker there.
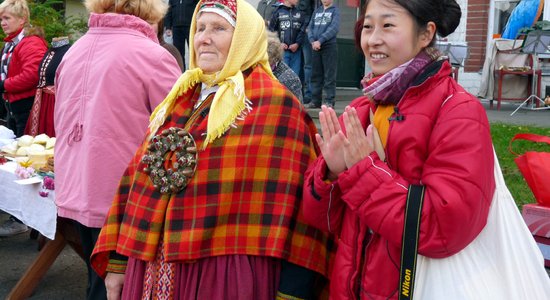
(18, 8)
(274, 50)
(150, 11)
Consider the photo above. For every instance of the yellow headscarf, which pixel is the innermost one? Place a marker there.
(248, 48)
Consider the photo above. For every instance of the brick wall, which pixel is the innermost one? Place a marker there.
(476, 33)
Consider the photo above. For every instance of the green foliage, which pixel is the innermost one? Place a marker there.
(49, 15)
(539, 25)
(44, 15)
(502, 134)
(542, 25)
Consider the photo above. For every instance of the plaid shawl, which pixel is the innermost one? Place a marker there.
(244, 198)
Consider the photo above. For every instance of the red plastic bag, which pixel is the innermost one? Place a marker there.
(535, 167)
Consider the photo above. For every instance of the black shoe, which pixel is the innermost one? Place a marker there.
(312, 105)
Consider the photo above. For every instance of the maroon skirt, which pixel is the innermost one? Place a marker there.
(41, 115)
(219, 277)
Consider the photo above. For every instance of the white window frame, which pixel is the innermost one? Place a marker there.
(492, 8)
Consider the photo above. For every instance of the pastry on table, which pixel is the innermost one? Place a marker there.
(25, 140)
(41, 139)
(50, 143)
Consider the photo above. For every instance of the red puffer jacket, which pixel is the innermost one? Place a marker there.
(23, 68)
(442, 140)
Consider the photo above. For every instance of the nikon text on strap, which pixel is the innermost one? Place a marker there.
(409, 249)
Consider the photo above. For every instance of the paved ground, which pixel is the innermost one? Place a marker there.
(66, 279)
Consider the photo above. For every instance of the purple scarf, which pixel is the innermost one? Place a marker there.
(390, 87)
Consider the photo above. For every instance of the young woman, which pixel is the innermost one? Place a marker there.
(415, 125)
(209, 207)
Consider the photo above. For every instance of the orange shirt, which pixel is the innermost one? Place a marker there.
(381, 122)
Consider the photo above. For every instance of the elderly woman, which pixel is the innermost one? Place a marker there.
(107, 86)
(209, 206)
(280, 69)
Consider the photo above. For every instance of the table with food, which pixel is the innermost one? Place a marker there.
(27, 180)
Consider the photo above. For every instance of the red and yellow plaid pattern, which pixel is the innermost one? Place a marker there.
(243, 199)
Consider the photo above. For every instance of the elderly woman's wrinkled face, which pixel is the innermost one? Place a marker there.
(11, 23)
(212, 41)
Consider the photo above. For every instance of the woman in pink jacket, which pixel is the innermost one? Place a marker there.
(107, 85)
(415, 126)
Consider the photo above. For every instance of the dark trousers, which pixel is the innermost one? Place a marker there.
(305, 74)
(323, 74)
(18, 114)
(96, 286)
(180, 37)
(3, 113)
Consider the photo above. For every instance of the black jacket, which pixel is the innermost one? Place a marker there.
(290, 24)
(179, 13)
(307, 7)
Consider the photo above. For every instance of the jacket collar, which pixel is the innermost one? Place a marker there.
(122, 21)
(431, 70)
(10, 37)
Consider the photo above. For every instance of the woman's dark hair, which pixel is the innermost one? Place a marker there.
(444, 13)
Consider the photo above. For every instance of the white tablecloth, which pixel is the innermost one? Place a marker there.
(24, 202)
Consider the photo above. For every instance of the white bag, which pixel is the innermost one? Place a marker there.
(6, 135)
(503, 262)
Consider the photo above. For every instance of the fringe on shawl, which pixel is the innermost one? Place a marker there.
(224, 98)
(186, 81)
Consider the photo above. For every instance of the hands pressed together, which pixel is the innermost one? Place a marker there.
(342, 151)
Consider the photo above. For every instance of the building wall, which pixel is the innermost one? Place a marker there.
(476, 33)
(471, 81)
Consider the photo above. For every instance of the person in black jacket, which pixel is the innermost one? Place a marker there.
(290, 24)
(306, 7)
(177, 23)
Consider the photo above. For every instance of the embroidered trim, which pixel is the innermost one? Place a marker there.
(60, 43)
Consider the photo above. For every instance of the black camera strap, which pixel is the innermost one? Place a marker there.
(409, 249)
